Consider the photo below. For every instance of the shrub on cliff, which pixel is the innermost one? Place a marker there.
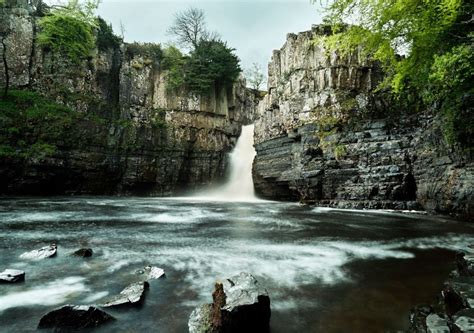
(69, 31)
(106, 38)
(436, 38)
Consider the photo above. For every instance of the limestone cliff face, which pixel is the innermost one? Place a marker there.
(324, 136)
(138, 139)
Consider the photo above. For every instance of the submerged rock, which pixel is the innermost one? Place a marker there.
(44, 252)
(151, 273)
(240, 304)
(85, 253)
(12, 276)
(72, 317)
(133, 294)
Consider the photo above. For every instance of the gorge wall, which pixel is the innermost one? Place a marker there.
(132, 136)
(323, 135)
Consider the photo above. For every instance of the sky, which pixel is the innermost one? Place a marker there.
(253, 27)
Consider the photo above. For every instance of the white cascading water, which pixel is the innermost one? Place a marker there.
(239, 187)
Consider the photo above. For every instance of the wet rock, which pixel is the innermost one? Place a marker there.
(44, 252)
(12, 276)
(458, 294)
(465, 264)
(436, 324)
(73, 317)
(151, 273)
(85, 253)
(418, 317)
(200, 319)
(134, 294)
(240, 304)
(464, 321)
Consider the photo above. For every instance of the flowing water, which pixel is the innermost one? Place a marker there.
(325, 270)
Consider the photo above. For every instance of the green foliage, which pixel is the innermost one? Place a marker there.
(436, 38)
(211, 64)
(146, 50)
(69, 31)
(340, 151)
(173, 62)
(106, 39)
(32, 125)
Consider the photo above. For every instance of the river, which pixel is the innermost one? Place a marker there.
(325, 270)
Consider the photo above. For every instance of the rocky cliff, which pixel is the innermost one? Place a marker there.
(325, 136)
(133, 136)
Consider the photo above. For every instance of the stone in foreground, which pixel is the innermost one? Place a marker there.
(151, 273)
(464, 321)
(74, 317)
(134, 294)
(240, 304)
(85, 253)
(44, 252)
(12, 276)
(436, 324)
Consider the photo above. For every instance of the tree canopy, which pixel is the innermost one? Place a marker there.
(425, 46)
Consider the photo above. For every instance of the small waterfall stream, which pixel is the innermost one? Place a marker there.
(239, 186)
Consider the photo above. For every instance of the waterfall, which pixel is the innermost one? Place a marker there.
(239, 186)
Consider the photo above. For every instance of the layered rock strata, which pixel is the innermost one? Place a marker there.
(325, 136)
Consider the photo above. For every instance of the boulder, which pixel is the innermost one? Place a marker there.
(44, 252)
(12, 276)
(85, 253)
(418, 317)
(151, 273)
(240, 304)
(133, 294)
(73, 317)
(465, 264)
(458, 294)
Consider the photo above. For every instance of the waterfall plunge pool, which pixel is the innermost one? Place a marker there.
(325, 270)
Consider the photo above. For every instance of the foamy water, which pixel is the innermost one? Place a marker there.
(304, 256)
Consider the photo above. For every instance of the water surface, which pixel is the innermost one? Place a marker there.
(325, 270)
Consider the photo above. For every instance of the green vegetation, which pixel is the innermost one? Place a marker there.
(436, 38)
(70, 31)
(32, 125)
(174, 62)
(106, 39)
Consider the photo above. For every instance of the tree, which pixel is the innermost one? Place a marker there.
(436, 39)
(189, 28)
(211, 64)
(255, 76)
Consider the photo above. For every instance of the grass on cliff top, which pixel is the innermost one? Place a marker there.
(33, 126)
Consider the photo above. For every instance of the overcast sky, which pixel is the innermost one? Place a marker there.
(253, 27)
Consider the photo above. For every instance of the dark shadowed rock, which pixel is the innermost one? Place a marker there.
(73, 317)
(418, 317)
(85, 253)
(240, 304)
(44, 252)
(12, 276)
(151, 273)
(134, 294)
(458, 294)
(465, 264)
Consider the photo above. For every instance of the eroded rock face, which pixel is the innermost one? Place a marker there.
(149, 141)
(240, 304)
(324, 136)
(132, 295)
(74, 317)
(12, 276)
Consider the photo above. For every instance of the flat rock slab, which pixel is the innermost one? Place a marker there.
(12, 276)
(133, 294)
(44, 252)
(74, 317)
(151, 273)
(85, 253)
